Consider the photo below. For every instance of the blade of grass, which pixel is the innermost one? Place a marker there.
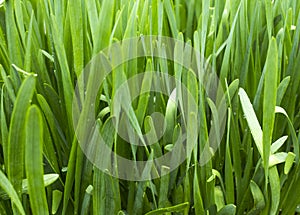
(258, 197)
(85, 209)
(9, 189)
(34, 161)
(176, 208)
(16, 134)
(76, 22)
(281, 90)
(269, 102)
(275, 189)
(48, 180)
(104, 25)
(171, 17)
(65, 72)
(252, 121)
(4, 129)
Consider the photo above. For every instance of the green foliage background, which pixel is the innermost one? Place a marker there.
(253, 45)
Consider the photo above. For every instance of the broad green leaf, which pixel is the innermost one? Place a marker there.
(16, 134)
(277, 158)
(275, 189)
(269, 102)
(252, 120)
(34, 161)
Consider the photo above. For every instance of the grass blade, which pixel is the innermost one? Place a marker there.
(8, 188)
(176, 208)
(269, 103)
(252, 120)
(34, 161)
(16, 134)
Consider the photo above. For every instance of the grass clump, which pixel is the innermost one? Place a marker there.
(252, 46)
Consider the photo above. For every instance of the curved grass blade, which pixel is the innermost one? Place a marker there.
(8, 188)
(228, 209)
(16, 139)
(258, 197)
(278, 143)
(282, 87)
(176, 208)
(48, 180)
(292, 130)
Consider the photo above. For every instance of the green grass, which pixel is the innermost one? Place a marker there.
(253, 47)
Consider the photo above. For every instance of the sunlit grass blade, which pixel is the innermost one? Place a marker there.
(269, 102)
(252, 120)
